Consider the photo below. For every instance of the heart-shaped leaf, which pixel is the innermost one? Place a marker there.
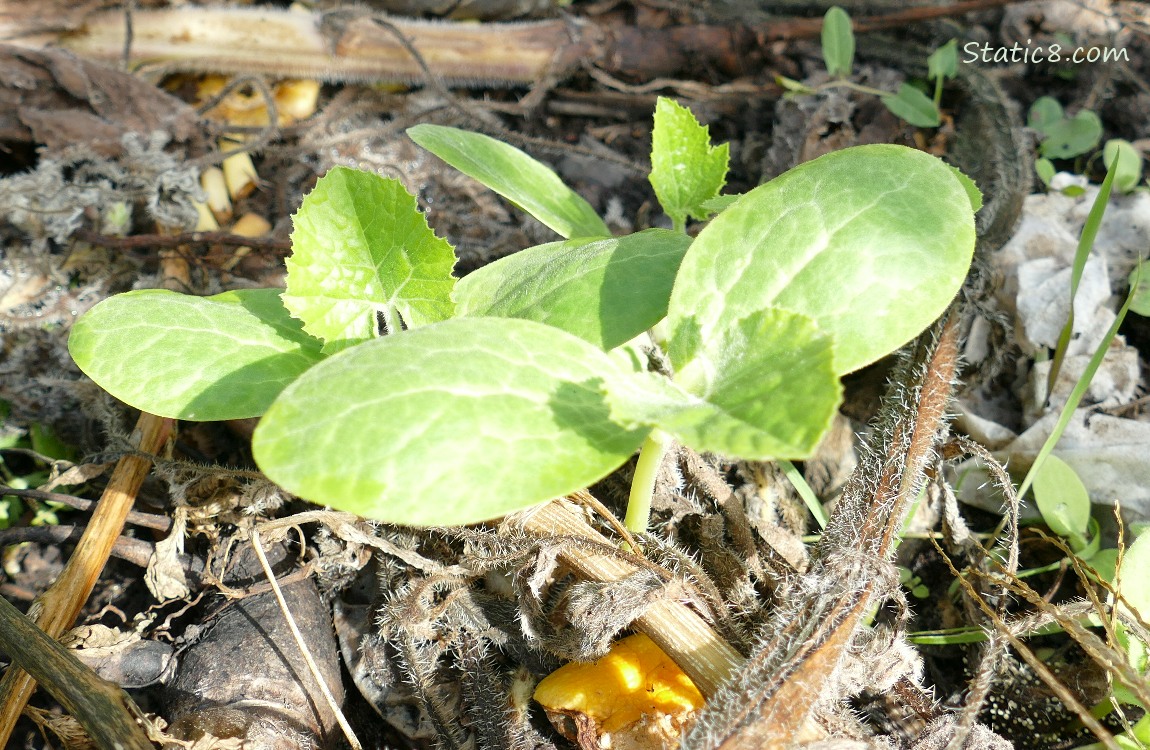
(871, 242)
(519, 178)
(452, 423)
(605, 291)
(361, 247)
(196, 358)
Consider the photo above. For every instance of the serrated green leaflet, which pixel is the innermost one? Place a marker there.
(605, 291)
(686, 170)
(448, 424)
(519, 178)
(360, 247)
(197, 358)
(765, 388)
(871, 242)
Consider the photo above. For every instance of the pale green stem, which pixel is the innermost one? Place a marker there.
(805, 492)
(643, 484)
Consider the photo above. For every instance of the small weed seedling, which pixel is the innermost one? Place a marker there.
(1065, 137)
(908, 103)
(517, 384)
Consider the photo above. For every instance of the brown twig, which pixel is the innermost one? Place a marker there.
(134, 517)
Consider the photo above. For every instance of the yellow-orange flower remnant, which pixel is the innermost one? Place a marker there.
(634, 679)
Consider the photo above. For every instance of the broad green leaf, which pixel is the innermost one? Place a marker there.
(943, 62)
(1043, 113)
(971, 188)
(1129, 169)
(838, 42)
(720, 203)
(913, 106)
(1070, 137)
(686, 170)
(1062, 499)
(448, 424)
(519, 178)
(1045, 170)
(605, 291)
(871, 242)
(197, 358)
(766, 390)
(360, 247)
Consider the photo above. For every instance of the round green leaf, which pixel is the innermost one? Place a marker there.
(871, 242)
(1062, 498)
(1129, 170)
(196, 358)
(448, 424)
(1071, 136)
(605, 291)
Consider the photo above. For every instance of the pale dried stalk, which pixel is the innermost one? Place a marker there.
(299, 44)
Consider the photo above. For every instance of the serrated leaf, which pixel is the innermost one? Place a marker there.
(871, 242)
(943, 62)
(519, 178)
(605, 291)
(360, 247)
(1044, 112)
(448, 424)
(838, 42)
(1071, 137)
(686, 170)
(196, 358)
(766, 389)
(1129, 170)
(912, 105)
(719, 203)
(1062, 499)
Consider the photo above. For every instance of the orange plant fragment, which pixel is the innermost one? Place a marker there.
(635, 678)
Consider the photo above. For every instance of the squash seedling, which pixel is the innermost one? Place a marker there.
(513, 386)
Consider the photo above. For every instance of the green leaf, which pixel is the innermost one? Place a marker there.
(519, 178)
(719, 203)
(972, 191)
(686, 169)
(871, 242)
(605, 291)
(1129, 167)
(1134, 584)
(196, 358)
(1140, 290)
(943, 62)
(448, 424)
(1043, 113)
(913, 106)
(1045, 170)
(838, 42)
(1062, 499)
(360, 247)
(767, 389)
(1071, 137)
(791, 86)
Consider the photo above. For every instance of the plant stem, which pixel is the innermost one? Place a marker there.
(643, 484)
(810, 499)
